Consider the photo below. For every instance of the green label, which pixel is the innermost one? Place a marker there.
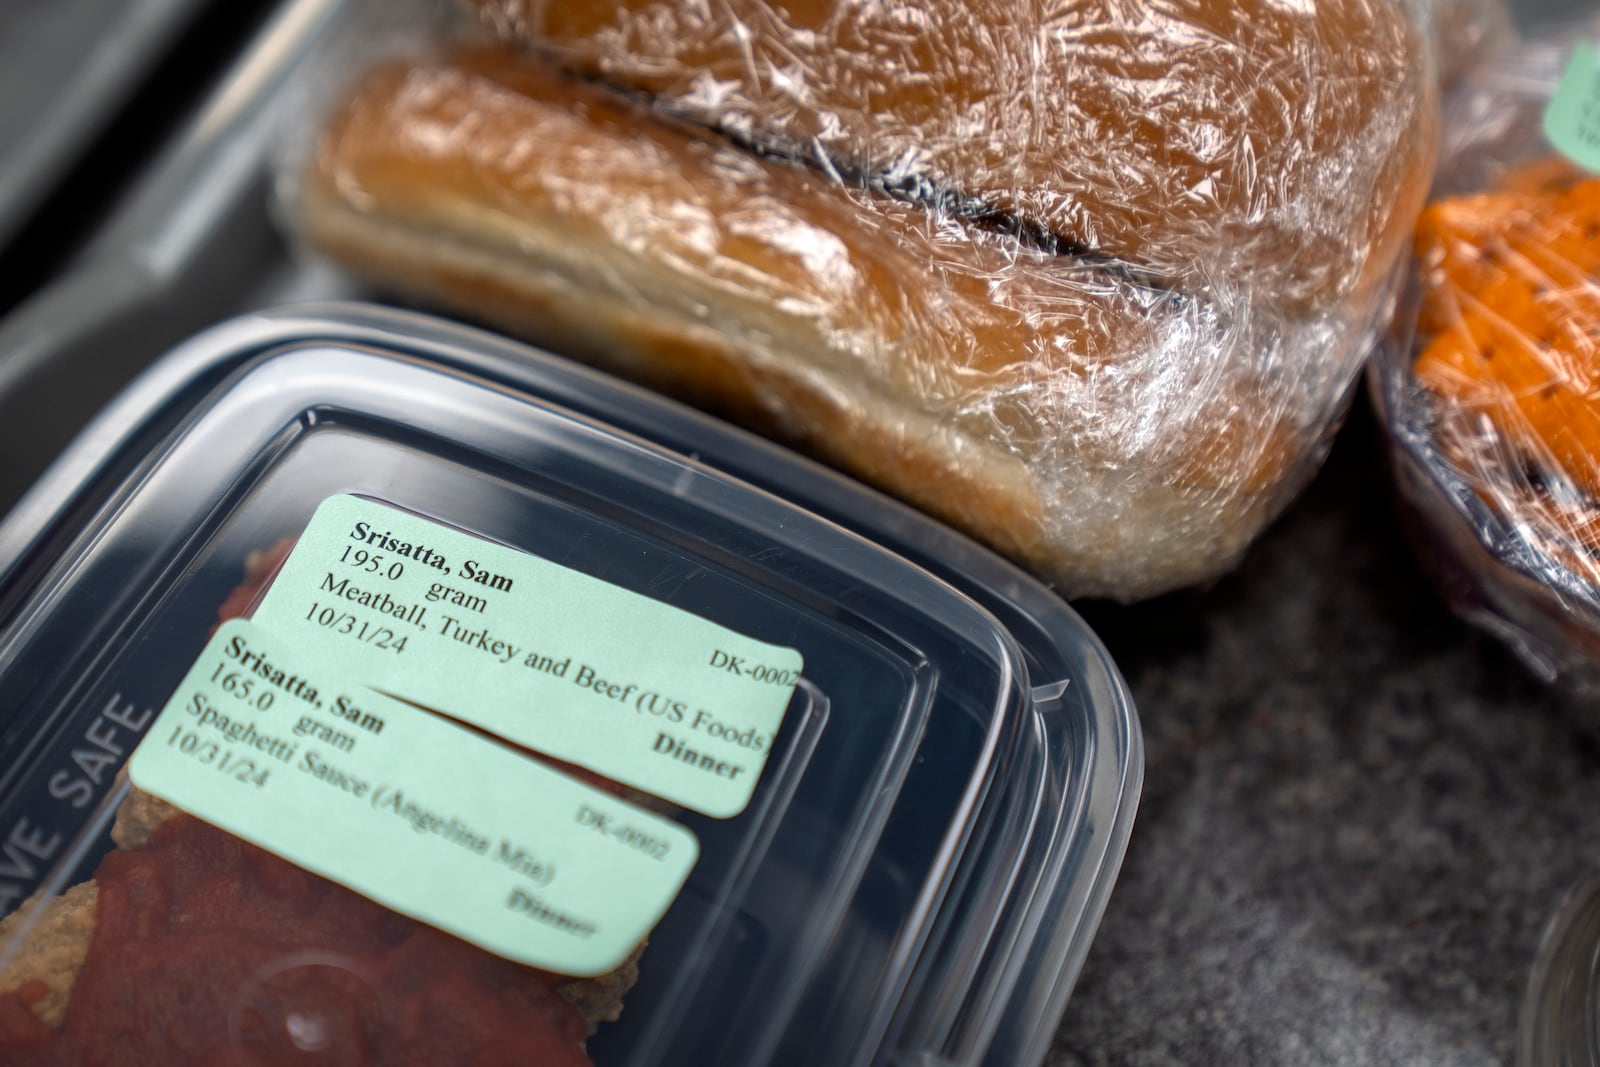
(542, 655)
(420, 814)
(1572, 118)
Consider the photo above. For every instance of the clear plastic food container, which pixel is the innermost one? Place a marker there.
(491, 680)
(1560, 1018)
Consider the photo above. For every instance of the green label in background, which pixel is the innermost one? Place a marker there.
(418, 813)
(1572, 118)
(542, 655)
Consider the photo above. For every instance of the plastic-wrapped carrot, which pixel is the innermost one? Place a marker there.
(1512, 310)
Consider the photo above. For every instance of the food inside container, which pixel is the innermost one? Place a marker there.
(1494, 407)
(1558, 1021)
(1093, 289)
(242, 956)
(1511, 315)
(383, 692)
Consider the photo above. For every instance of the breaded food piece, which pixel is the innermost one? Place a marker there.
(56, 947)
(599, 999)
(139, 814)
(43, 972)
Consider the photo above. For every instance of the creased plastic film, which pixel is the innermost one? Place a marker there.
(1089, 281)
(1496, 406)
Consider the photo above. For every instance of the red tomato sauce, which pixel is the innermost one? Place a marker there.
(209, 951)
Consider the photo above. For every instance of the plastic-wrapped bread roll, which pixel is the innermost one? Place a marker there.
(1120, 438)
(1279, 149)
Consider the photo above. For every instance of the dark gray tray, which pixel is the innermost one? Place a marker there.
(66, 66)
(192, 243)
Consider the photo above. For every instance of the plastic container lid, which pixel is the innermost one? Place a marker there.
(927, 849)
(1560, 1019)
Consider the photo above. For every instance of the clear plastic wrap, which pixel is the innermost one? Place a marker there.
(1205, 141)
(1494, 406)
(1090, 283)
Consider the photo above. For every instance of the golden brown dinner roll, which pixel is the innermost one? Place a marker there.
(1280, 149)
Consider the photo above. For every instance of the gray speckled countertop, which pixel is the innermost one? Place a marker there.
(1358, 813)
